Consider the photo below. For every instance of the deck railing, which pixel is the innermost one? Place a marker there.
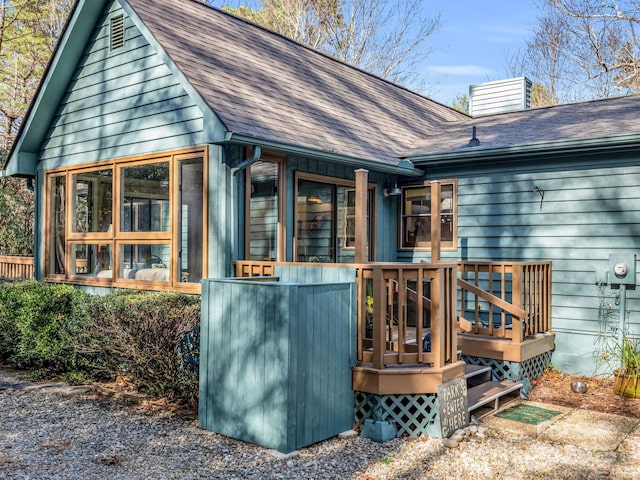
(505, 299)
(406, 314)
(16, 267)
(412, 317)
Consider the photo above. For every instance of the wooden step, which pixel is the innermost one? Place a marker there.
(473, 370)
(488, 392)
(477, 374)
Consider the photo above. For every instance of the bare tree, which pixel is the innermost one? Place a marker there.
(611, 29)
(584, 49)
(384, 37)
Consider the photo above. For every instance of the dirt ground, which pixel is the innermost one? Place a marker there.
(555, 388)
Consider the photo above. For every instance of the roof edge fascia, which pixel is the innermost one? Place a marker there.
(212, 121)
(53, 85)
(525, 152)
(404, 167)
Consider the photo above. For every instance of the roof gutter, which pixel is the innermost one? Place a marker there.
(526, 152)
(404, 167)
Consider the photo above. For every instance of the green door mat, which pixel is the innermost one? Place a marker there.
(527, 414)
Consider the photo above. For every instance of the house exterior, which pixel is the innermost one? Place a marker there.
(169, 139)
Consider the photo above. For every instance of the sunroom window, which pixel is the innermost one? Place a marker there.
(155, 239)
(416, 216)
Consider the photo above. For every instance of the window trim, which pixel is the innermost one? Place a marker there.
(116, 238)
(447, 246)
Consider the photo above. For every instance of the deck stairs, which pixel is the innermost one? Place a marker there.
(483, 392)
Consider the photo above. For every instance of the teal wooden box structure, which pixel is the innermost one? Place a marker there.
(276, 358)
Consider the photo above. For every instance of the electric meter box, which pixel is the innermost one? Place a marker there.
(622, 268)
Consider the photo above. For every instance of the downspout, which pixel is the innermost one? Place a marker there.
(239, 236)
(255, 156)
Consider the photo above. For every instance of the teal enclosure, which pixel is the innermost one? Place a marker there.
(276, 359)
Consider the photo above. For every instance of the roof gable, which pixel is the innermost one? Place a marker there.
(52, 128)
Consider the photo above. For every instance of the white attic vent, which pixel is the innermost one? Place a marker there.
(502, 96)
(116, 32)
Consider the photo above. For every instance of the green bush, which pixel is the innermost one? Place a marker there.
(9, 334)
(41, 322)
(137, 336)
(143, 338)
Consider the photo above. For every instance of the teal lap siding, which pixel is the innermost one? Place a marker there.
(120, 103)
(590, 210)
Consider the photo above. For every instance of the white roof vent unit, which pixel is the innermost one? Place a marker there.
(501, 96)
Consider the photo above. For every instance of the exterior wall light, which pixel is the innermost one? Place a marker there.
(391, 191)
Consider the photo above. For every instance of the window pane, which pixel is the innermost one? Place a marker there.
(315, 217)
(416, 215)
(58, 189)
(418, 201)
(191, 220)
(263, 211)
(144, 262)
(144, 200)
(92, 198)
(91, 260)
(347, 224)
(446, 213)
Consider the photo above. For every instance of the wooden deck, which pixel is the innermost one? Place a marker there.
(492, 310)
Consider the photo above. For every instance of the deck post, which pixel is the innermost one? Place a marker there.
(435, 221)
(361, 240)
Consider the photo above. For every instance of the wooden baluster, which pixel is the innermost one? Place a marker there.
(379, 318)
(517, 300)
(420, 312)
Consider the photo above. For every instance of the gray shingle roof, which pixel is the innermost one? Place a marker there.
(597, 120)
(263, 85)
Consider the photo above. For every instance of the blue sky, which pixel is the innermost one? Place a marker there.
(471, 45)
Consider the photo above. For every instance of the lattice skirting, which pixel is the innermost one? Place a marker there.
(514, 371)
(414, 415)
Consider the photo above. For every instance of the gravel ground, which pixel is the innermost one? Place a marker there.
(49, 433)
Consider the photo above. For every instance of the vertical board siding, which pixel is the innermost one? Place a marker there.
(587, 213)
(120, 103)
(276, 359)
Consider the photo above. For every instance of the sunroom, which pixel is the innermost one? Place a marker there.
(136, 222)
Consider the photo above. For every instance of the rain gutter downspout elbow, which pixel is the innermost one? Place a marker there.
(255, 156)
